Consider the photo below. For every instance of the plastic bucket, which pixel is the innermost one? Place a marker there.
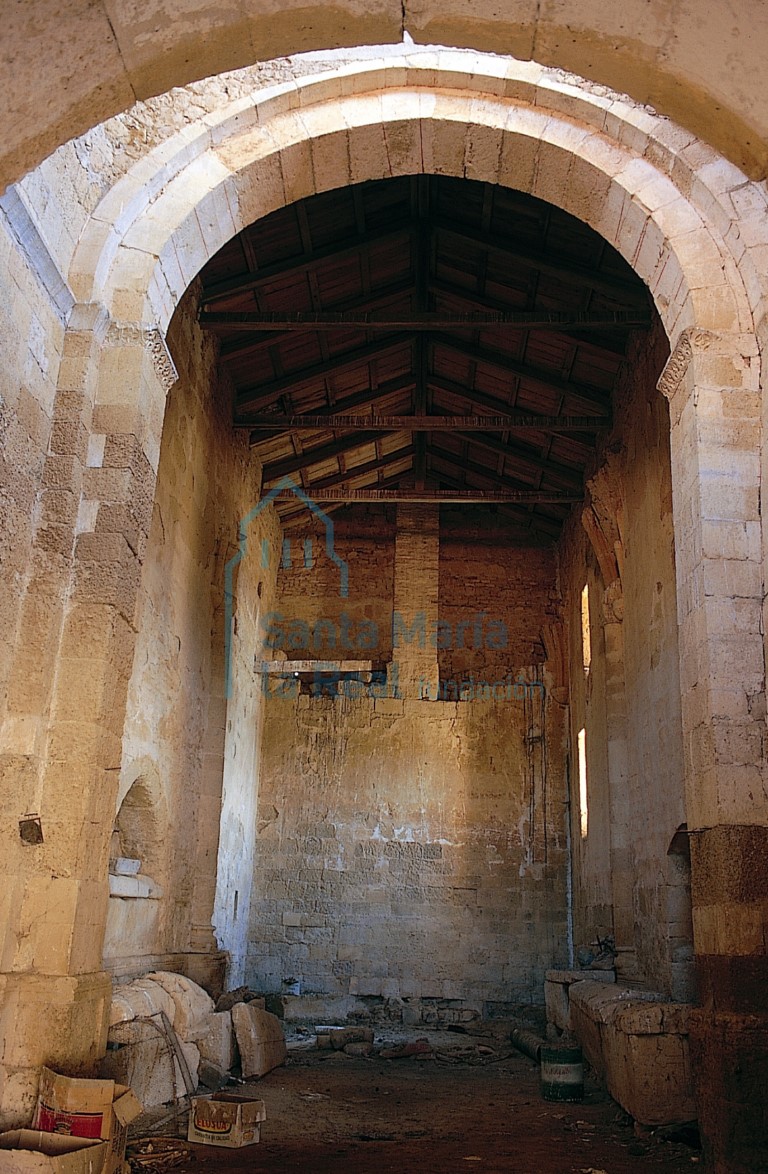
(562, 1073)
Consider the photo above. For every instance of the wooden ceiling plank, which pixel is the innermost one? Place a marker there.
(314, 456)
(262, 394)
(549, 379)
(247, 282)
(627, 290)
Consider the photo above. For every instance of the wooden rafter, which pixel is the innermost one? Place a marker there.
(262, 394)
(246, 283)
(244, 321)
(620, 288)
(510, 366)
(315, 456)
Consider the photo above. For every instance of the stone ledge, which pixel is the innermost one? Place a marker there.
(637, 1042)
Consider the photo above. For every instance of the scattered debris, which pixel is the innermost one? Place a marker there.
(412, 1048)
(154, 1155)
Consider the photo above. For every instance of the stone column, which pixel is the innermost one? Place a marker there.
(712, 384)
(62, 739)
(417, 562)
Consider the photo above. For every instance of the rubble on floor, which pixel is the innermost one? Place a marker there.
(167, 1035)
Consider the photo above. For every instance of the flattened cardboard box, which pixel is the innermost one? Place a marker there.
(226, 1119)
(30, 1151)
(97, 1109)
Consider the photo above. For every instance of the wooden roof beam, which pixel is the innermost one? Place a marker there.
(501, 362)
(245, 321)
(515, 422)
(314, 456)
(297, 265)
(261, 395)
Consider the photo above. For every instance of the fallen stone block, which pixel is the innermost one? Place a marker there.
(638, 1043)
(241, 994)
(260, 1039)
(557, 984)
(341, 1036)
(143, 1060)
(218, 1046)
(139, 1000)
(647, 1062)
(591, 1002)
(193, 1006)
(360, 1048)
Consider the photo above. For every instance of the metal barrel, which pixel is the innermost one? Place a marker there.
(525, 1041)
(562, 1073)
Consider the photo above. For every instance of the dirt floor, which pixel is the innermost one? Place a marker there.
(458, 1109)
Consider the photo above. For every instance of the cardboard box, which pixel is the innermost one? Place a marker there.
(98, 1109)
(226, 1119)
(29, 1151)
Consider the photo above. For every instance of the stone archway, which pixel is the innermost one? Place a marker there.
(99, 61)
(590, 155)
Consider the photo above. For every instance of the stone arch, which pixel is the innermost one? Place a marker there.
(680, 60)
(141, 818)
(603, 159)
(690, 224)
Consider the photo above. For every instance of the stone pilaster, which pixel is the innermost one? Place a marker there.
(712, 385)
(67, 700)
(417, 562)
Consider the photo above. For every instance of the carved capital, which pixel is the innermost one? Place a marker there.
(676, 366)
(153, 341)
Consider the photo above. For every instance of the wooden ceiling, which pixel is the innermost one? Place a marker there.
(424, 338)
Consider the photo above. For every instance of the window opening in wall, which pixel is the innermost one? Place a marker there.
(583, 798)
(586, 635)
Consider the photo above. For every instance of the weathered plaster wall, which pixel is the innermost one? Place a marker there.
(634, 756)
(409, 847)
(181, 734)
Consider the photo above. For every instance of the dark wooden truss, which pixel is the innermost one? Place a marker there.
(424, 339)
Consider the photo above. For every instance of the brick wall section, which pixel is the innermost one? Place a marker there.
(502, 587)
(365, 540)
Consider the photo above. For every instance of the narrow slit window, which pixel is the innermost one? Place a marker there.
(583, 793)
(586, 634)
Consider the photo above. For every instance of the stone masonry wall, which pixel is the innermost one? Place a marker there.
(180, 729)
(32, 339)
(634, 758)
(413, 848)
